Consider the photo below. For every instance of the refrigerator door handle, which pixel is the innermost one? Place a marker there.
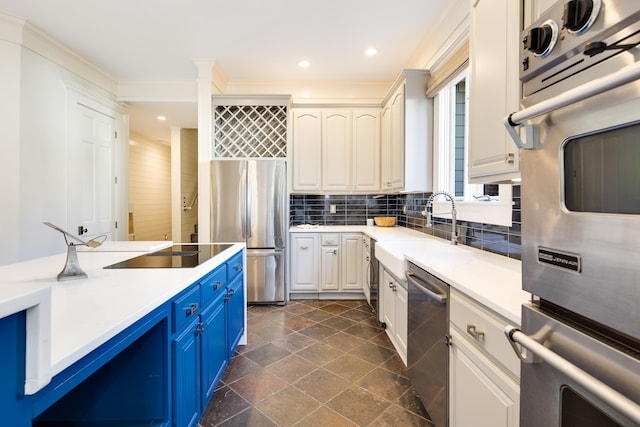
(243, 201)
(249, 177)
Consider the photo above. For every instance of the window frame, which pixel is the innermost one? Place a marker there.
(498, 209)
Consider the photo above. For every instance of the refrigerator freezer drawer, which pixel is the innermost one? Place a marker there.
(265, 276)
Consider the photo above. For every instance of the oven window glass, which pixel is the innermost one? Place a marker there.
(602, 171)
(578, 412)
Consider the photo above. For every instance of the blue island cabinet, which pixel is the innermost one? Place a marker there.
(202, 349)
(160, 371)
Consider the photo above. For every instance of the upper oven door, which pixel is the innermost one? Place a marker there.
(581, 209)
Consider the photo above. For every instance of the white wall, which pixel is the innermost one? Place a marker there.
(33, 135)
(10, 151)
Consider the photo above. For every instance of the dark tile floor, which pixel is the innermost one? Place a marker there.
(315, 363)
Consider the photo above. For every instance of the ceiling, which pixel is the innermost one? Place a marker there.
(251, 40)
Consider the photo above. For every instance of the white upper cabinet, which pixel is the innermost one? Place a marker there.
(336, 150)
(494, 89)
(307, 150)
(405, 140)
(534, 8)
(366, 150)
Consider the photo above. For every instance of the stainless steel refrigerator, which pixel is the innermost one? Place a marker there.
(248, 204)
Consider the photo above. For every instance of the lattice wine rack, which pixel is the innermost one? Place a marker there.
(250, 131)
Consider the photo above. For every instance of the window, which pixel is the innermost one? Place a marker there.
(451, 142)
(451, 136)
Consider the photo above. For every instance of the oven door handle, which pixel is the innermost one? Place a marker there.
(616, 400)
(623, 76)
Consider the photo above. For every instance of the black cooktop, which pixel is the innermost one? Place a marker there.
(176, 256)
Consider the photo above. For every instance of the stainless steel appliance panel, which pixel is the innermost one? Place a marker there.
(248, 204)
(265, 272)
(606, 283)
(266, 199)
(228, 200)
(373, 280)
(427, 342)
(552, 397)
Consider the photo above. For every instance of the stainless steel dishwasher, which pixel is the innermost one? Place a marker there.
(428, 340)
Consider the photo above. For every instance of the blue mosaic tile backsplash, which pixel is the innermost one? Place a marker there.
(355, 209)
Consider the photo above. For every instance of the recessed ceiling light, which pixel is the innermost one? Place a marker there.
(304, 64)
(161, 118)
(372, 51)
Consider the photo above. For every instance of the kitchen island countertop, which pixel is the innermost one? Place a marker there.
(67, 320)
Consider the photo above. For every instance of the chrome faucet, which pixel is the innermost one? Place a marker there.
(429, 213)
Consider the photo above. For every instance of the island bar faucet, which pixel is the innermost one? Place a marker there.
(428, 212)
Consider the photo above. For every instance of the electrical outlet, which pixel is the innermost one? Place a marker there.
(332, 209)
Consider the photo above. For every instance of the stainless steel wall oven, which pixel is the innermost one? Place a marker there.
(580, 165)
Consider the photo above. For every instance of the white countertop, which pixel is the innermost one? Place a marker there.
(378, 233)
(85, 313)
(492, 280)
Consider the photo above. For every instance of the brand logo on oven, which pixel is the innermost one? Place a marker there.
(563, 260)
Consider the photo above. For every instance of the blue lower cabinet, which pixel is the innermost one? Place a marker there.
(186, 376)
(213, 348)
(235, 314)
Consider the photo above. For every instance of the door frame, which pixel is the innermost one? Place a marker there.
(77, 94)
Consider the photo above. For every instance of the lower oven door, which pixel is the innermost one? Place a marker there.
(557, 396)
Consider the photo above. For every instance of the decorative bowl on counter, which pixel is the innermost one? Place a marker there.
(385, 221)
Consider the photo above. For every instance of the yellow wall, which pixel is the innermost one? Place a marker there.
(188, 180)
(149, 189)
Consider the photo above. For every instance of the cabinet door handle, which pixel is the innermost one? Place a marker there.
(238, 267)
(305, 247)
(335, 252)
(392, 286)
(477, 335)
(192, 309)
(200, 328)
(217, 286)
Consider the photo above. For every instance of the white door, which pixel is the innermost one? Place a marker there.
(90, 173)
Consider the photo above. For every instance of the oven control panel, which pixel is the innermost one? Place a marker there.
(574, 35)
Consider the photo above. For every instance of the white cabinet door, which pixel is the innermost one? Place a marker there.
(494, 89)
(534, 8)
(330, 268)
(396, 155)
(385, 149)
(307, 150)
(366, 150)
(480, 395)
(402, 314)
(351, 262)
(304, 262)
(336, 150)
(389, 304)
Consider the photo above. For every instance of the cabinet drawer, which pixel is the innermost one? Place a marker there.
(185, 308)
(329, 239)
(212, 285)
(485, 330)
(234, 266)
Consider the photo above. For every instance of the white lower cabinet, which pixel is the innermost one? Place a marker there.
(304, 262)
(484, 389)
(351, 278)
(395, 311)
(327, 264)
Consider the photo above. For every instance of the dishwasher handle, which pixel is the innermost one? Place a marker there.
(425, 286)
